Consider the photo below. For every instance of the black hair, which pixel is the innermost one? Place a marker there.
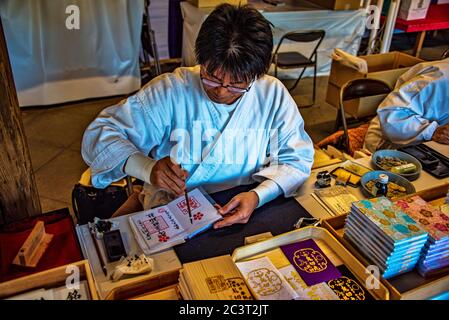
(236, 40)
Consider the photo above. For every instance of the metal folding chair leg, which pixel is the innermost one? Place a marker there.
(314, 87)
(337, 121)
(297, 80)
(314, 84)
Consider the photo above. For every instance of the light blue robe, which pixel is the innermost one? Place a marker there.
(414, 109)
(172, 115)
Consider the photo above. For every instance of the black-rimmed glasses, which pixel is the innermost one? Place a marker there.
(232, 89)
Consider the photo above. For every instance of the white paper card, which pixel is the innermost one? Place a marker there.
(319, 291)
(265, 281)
(166, 226)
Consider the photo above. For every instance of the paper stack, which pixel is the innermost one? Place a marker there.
(213, 279)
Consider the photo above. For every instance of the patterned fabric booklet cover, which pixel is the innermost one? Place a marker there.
(166, 226)
(384, 267)
(368, 227)
(395, 223)
(311, 263)
(373, 251)
(372, 236)
(435, 222)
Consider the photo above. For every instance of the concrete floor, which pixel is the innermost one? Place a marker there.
(54, 136)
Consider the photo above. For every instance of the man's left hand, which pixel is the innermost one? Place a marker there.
(238, 210)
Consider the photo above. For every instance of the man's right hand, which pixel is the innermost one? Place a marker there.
(441, 134)
(169, 176)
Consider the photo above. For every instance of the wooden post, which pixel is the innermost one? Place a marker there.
(418, 43)
(18, 191)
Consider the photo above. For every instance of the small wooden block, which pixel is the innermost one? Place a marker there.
(359, 155)
(258, 237)
(34, 246)
(334, 152)
(171, 293)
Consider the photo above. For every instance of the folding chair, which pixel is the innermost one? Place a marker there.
(294, 59)
(356, 89)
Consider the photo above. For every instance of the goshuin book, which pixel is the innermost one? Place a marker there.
(166, 226)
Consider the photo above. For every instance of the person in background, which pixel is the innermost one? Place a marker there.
(417, 110)
(220, 124)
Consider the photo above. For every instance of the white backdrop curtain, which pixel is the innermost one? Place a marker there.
(344, 30)
(52, 64)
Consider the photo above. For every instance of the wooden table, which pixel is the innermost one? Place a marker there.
(437, 18)
(164, 262)
(425, 181)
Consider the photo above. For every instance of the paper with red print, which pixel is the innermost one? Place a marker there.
(166, 226)
(203, 212)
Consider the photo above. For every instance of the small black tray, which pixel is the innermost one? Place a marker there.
(432, 161)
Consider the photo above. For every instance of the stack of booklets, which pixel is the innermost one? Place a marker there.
(166, 226)
(435, 255)
(213, 279)
(386, 235)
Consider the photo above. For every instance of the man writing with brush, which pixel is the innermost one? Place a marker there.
(225, 121)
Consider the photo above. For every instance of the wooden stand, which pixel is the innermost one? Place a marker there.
(34, 247)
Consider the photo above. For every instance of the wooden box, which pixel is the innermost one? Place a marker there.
(413, 9)
(49, 279)
(385, 66)
(145, 287)
(411, 285)
(326, 241)
(214, 3)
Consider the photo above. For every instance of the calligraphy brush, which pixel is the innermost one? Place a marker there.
(188, 207)
(100, 256)
(187, 202)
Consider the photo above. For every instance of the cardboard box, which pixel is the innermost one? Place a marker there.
(385, 66)
(337, 4)
(214, 3)
(413, 9)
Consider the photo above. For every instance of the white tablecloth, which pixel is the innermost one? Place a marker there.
(344, 29)
(52, 64)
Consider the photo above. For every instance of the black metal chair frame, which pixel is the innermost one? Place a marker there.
(301, 36)
(355, 89)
